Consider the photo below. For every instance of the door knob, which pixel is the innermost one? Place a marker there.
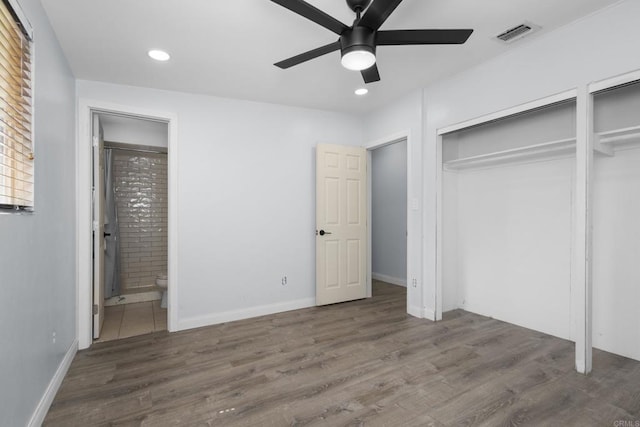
(106, 234)
(322, 232)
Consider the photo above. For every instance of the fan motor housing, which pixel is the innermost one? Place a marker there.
(358, 5)
(357, 38)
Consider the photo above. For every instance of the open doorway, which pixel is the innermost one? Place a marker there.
(123, 120)
(388, 201)
(131, 204)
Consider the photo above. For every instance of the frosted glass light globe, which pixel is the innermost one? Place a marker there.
(358, 60)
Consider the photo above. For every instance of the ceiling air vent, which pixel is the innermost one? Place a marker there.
(517, 32)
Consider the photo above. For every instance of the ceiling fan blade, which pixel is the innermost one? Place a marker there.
(403, 37)
(371, 74)
(378, 12)
(314, 14)
(304, 57)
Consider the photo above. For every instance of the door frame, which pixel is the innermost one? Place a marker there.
(84, 171)
(370, 146)
(98, 209)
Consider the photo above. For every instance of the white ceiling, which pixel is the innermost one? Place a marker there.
(227, 48)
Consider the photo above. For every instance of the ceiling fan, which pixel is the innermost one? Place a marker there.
(358, 43)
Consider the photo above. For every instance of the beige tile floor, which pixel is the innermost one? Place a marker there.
(128, 320)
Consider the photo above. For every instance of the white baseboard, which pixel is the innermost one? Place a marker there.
(37, 418)
(415, 311)
(421, 313)
(581, 367)
(230, 316)
(389, 279)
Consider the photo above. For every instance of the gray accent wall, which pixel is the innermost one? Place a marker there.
(389, 212)
(37, 251)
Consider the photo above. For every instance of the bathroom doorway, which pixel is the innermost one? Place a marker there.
(85, 206)
(130, 226)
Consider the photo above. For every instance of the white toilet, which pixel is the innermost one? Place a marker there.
(162, 281)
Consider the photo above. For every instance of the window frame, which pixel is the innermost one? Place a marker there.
(16, 12)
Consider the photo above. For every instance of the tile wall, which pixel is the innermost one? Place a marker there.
(140, 184)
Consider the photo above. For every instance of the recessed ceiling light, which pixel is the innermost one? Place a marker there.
(159, 55)
(362, 91)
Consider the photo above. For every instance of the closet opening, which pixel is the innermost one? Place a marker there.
(616, 229)
(506, 217)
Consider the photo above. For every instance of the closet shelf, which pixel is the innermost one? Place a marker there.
(619, 137)
(529, 152)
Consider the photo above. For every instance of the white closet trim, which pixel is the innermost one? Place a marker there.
(529, 106)
(628, 137)
(612, 82)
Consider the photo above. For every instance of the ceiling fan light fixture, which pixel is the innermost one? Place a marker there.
(358, 49)
(358, 58)
(358, 42)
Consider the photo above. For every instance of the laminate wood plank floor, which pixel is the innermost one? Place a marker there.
(359, 363)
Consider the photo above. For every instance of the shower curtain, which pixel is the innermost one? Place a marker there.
(112, 231)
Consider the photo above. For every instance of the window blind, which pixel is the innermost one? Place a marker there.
(16, 145)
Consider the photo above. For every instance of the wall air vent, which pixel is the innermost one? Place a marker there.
(517, 32)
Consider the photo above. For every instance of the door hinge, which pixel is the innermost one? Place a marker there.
(95, 309)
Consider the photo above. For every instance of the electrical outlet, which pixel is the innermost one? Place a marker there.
(53, 337)
(284, 280)
(414, 282)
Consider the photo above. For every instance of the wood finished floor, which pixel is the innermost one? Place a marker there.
(360, 363)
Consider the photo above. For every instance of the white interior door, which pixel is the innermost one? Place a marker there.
(98, 226)
(341, 223)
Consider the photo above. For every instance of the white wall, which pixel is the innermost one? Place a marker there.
(389, 213)
(596, 47)
(512, 254)
(246, 184)
(37, 272)
(401, 119)
(616, 253)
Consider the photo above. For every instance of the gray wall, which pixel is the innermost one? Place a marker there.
(37, 251)
(389, 212)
